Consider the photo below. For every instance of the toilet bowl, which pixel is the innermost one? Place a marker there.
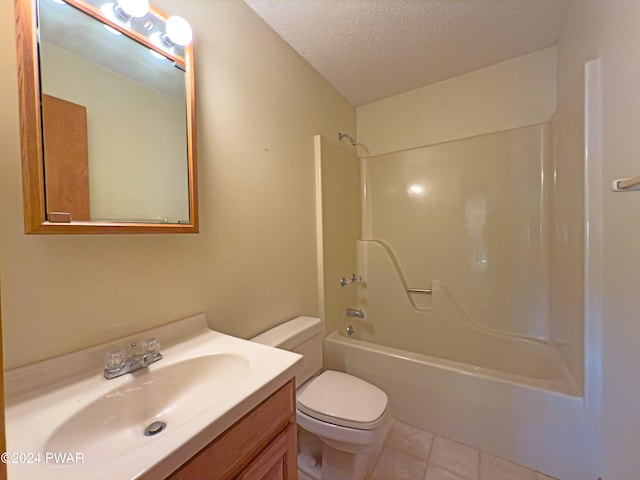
(344, 420)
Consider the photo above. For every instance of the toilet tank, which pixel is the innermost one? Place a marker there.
(303, 335)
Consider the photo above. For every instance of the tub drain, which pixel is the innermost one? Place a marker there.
(154, 428)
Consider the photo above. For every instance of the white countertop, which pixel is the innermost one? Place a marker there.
(43, 397)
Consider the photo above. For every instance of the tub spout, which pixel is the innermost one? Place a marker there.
(352, 312)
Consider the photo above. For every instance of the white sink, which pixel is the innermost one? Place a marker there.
(116, 422)
(205, 382)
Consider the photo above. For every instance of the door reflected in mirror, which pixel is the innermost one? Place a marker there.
(116, 105)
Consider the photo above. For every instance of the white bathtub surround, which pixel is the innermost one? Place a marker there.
(433, 457)
(471, 214)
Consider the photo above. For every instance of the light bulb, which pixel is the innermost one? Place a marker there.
(133, 8)
(179, 31)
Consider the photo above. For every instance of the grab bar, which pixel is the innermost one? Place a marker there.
(626, 184)
(419, 290)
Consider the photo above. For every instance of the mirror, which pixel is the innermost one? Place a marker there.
(107, 118)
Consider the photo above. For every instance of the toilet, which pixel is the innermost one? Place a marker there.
(342, 419)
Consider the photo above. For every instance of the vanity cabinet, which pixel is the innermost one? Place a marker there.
(259, 446)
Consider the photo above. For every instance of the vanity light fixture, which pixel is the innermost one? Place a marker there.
(129, 9)
(172, 33)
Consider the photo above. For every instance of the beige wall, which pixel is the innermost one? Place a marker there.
(136, 135)
(253, 264)
(609, 30)
(512, 94)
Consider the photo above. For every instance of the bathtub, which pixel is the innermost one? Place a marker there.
(535, 422)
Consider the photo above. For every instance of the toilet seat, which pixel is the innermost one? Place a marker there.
(342, 399)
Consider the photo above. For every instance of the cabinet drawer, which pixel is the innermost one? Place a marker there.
(228, 454)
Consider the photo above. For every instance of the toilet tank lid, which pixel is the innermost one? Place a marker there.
(292, 333)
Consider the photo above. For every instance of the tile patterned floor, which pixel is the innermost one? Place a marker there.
(413, 454)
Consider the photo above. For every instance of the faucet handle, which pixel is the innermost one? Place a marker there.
(133, 348)
(152, 345)
(353, 279)
(115, 359)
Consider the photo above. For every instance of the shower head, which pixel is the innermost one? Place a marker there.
(344, 135)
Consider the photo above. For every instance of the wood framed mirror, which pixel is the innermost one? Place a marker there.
(107, 118)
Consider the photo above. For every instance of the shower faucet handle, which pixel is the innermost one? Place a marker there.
(352, 279)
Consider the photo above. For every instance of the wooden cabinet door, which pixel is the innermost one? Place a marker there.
(277, 461)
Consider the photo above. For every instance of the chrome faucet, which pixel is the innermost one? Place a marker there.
(352, 312)
(117, 363)
(352, 280)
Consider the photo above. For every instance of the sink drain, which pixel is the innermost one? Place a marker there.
(154, 428)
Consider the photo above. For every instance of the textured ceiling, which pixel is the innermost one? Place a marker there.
(373, 49)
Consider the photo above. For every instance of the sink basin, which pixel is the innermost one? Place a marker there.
(115, 423)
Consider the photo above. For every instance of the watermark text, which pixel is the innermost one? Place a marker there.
(58, 458)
